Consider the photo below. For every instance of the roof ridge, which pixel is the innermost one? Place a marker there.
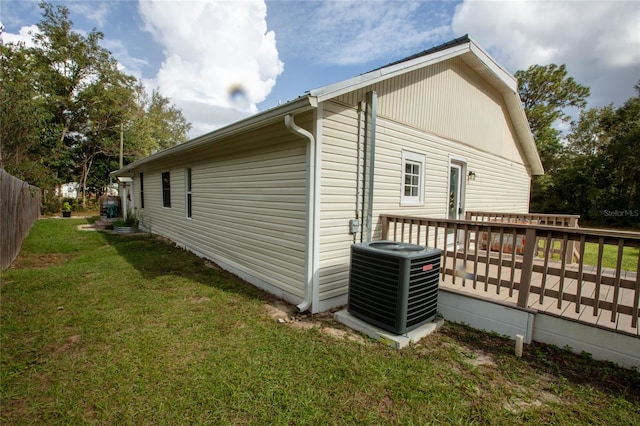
(452, 43)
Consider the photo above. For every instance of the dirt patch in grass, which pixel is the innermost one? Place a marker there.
(70, 344)
(541, 398)
(285, 313)
(552, 363)
(40, 261)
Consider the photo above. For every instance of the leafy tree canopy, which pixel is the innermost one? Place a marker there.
(596, 174)
(547, 92)
(65, 106)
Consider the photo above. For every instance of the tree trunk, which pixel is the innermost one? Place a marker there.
(86, 167)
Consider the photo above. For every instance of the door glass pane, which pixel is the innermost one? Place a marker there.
(454, 192)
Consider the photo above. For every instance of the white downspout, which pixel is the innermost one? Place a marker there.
(310, 266)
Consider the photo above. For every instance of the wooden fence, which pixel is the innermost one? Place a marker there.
(533, 279)
(19, 209)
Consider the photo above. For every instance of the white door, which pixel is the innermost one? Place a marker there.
(455, 208)
(455, 192)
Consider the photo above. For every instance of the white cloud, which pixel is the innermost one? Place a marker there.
(96, 12)
(212, 48)
(598, 41)
(127, 63)
(357, 32)
(25, 35)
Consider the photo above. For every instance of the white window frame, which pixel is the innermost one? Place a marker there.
(141, 178)
(416, 159)
(188, 190)
(166, 192)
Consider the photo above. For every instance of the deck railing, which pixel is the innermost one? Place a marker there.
(506, 261)
(570, 221)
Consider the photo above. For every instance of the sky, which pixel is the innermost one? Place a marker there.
(221, 61)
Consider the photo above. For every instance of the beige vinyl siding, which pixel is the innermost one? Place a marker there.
(248, 205)
(450, 100)
(501, 184)
(338, 196)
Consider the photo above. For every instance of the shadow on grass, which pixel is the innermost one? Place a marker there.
(154, 256)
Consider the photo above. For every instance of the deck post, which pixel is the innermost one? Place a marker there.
(385, 226)
(527, 267)
(574, 246)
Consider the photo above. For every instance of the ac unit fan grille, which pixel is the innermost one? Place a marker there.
(373, 291)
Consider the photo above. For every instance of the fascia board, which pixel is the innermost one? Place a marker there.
(250, 123)
(336, 89)
(523, 131)
(503, 75)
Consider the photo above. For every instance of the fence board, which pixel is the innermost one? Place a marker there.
(19, 209)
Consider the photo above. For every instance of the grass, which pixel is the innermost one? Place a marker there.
(609, 255)
(114, 329)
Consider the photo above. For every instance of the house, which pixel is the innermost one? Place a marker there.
(68, 190)
(280, 197)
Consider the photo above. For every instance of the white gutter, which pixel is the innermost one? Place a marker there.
(311, 208)
(250, 123)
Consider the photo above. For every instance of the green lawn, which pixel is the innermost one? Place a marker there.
(610, 256)
(112, 329)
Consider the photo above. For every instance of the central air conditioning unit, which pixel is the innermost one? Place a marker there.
(394, 285)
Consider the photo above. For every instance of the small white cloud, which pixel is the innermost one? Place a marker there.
(358, 32)
(217, 54)
(96, 12)
(25, 35)
(126, 63)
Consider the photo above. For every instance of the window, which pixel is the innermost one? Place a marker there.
(412, 179)
(166, 189)
(187, 179)
(141, 191)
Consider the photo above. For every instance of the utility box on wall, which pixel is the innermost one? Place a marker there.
(394, 285)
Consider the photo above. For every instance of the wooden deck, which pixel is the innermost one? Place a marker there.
(526, 265)
(462, 281)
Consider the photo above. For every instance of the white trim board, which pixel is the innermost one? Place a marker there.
(486, 315)
(602, 344)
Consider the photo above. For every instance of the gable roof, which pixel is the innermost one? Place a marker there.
(463, 47)
(477, 59)
(455, 42)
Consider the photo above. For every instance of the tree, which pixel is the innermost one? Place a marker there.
(598, 174)
(160, 125)
(546, 93)
(622, 159)
(86, 93)
(168, 125)
(588, 135)
(23, 118)
(65, 106)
